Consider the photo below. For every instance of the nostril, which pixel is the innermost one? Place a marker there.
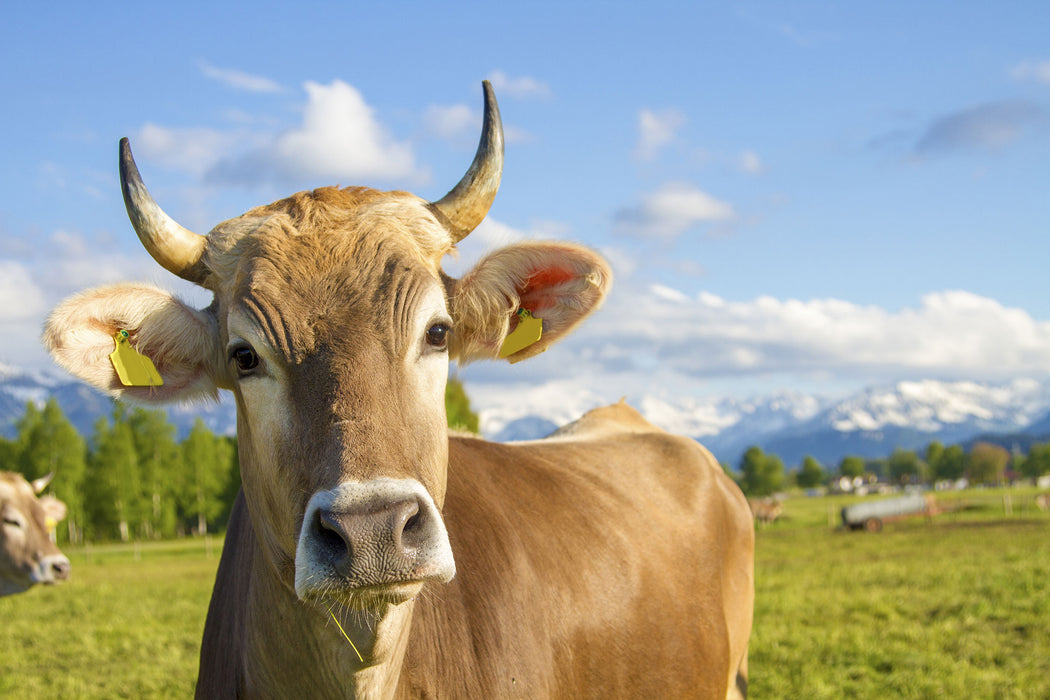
(330, 535)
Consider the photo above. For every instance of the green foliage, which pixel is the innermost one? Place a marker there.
(949, 465)
(457, 407)
(205, 479)
(904, 466)
(852, 466)
(761, 474)
(47, 443)
(987, 463)
(811, 473)
(1036, 463)
(159, 462)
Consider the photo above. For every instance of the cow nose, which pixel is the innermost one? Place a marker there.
(375, 533)
(387, 534)
(54, 568)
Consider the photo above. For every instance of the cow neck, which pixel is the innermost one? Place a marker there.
(297, 650)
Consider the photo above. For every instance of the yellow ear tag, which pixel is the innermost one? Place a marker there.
(133, 368)
(527, 333)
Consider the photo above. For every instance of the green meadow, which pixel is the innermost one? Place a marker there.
(956, 607)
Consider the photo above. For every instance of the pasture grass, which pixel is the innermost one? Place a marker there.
(958, 607)
(126, 625)
(955, 607)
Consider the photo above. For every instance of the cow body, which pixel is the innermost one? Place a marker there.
(612, 560)
(369, 554)
(27, 554)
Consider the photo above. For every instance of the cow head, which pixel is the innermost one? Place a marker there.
(333, 325)
(27, 555)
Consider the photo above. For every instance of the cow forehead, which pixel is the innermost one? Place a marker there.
(335, 216)
(312, 278)
(15, 489)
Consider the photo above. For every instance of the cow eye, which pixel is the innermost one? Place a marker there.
(437, 336)
(244, 359)
(13, 522)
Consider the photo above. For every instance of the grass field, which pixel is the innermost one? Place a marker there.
(956, 608)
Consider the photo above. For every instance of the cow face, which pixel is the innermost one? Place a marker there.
(333, 325)
(27, 555)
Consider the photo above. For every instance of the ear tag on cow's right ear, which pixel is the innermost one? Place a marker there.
(133, 368)
(528, 332)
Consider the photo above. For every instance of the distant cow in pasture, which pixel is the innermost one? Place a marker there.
(1042, 501)
(370, 553)
(765, 510)
(27, 554)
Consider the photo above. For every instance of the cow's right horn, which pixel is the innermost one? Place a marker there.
(177, 249)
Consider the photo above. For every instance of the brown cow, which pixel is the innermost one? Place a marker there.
(27, 554)
(766, 510)
(369, 553)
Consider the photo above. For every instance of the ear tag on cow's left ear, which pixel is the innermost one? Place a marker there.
(133, 368)
(528, 332)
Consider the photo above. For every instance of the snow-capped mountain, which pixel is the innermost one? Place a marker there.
(870, 423)
(83, 405)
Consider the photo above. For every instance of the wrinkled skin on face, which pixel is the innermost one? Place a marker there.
(336, 349)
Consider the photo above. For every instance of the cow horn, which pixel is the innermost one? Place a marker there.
(40, 484)
(177, 249)
(466, 205)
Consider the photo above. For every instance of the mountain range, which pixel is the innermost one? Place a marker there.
(870, 423)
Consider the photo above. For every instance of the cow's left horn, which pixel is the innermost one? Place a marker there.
(177, 249)
(467, 204)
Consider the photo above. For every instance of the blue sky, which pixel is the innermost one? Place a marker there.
(817, 196)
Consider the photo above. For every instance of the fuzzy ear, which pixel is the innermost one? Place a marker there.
(182, 343)
(558, 283)
(54, 509)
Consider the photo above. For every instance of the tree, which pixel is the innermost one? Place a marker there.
(950, 465)
(112, 488)
(904, 466)
(159, 460)
(1037, 462)
(457, 407)
(761, 474)
(988, 462)
(205, 474)
(852, 466)
(49, 444)
(934, 454)
(811, 474)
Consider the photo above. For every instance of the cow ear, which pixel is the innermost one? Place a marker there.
(54, 509)
(558, 283)
(181, 342)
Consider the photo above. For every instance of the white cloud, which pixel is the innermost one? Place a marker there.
(239, 80)
(656, 130)
(522, 88)
(948, 333)
(1035, 71)
(671, 210)
(452, 122)
(20, 297)
(191, 150)
(748, 162)
(340, 137)
(340, 140)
